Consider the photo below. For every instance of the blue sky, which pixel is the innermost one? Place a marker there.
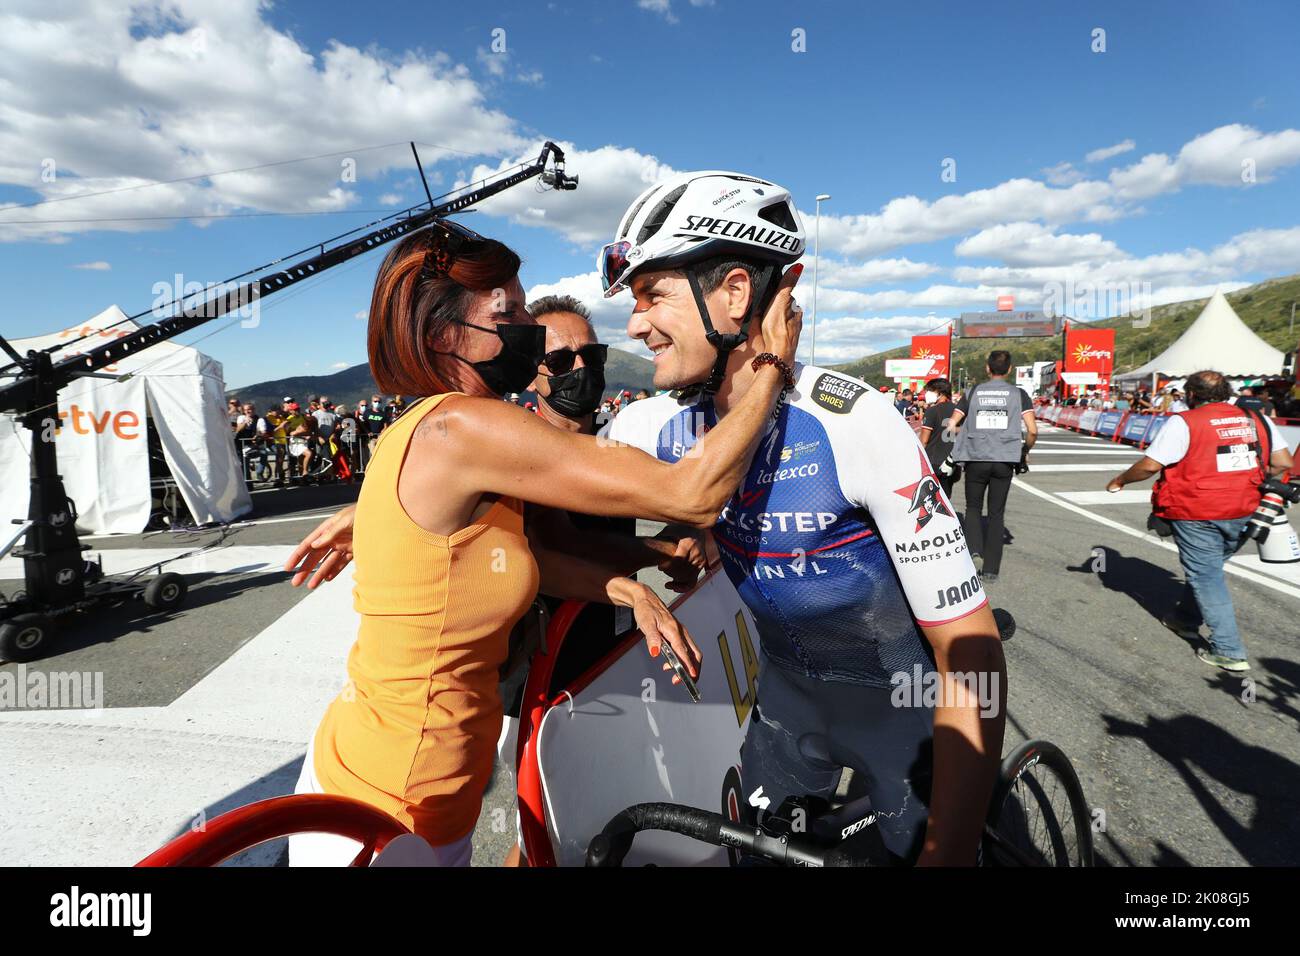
(1121, 167)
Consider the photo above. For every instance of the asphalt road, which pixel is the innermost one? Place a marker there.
(210, 707)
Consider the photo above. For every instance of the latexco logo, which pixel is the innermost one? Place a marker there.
(134, 910)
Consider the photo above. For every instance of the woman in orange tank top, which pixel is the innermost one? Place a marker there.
(444, 567)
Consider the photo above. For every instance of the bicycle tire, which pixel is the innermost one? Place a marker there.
(1024, 826)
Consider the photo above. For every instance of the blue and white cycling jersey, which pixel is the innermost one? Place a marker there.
(840, 539)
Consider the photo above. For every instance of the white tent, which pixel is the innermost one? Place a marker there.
(102, 436)
(1217, 340)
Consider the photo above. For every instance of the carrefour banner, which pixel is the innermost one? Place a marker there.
(1090, 350)
(936, 348)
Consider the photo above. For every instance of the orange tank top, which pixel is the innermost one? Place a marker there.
(414, 731)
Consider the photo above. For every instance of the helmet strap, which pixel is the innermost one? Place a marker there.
(726, 342)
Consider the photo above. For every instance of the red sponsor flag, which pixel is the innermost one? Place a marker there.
(936, 348)
(1090, 350)
(1006, 303)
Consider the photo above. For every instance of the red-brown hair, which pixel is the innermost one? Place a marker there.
(408, 311)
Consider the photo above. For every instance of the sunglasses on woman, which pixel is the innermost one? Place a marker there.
(560, 361)
(448, 239)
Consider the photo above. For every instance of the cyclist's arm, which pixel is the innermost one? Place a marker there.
(624, 553)
(948, 603)
(478, 445)
(967, 735)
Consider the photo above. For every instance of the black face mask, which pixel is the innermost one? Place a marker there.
(514, 367)
(576, 393)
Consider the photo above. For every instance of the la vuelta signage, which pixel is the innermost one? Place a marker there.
(1090, 350)
(936, 348)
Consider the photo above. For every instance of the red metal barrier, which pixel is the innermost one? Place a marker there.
(246, 827)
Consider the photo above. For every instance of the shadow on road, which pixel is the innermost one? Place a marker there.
(1153, 588)
(278, 783)
(103, 626)
(1265, 785)
(1277, 687)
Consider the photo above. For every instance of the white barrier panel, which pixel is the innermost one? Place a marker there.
(1088, 420)
(631, 736)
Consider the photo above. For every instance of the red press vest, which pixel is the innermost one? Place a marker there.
(1214, 481)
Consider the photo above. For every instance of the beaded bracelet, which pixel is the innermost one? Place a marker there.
(767, 358)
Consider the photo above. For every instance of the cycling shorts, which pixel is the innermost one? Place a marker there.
(804, 730)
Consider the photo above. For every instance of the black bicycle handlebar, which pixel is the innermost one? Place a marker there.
(611, 845)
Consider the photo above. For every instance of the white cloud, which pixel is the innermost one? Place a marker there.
(1216, 157)
(495, 63)
(844, 275)
(1064, 174)
(340, 365)
(848, 338)
(932, 297)
(1106, 152)
(1153, 174)
(609, 316)
(662, 7)
(1212, 158)
(390, 199)
(133, 94)
(1032, 244)
(530, 78)
(609, 179)
(910, 219)
(99, 266)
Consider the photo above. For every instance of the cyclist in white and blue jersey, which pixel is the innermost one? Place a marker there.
(840, 540)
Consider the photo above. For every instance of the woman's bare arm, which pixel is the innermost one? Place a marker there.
(468, 446)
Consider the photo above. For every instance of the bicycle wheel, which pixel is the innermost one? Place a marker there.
(1038, 815)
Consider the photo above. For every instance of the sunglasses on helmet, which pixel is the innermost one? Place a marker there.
(560, 361)
(612, 263)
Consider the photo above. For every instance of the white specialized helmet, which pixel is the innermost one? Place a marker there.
(694, 216)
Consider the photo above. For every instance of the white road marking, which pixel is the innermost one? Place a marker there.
(1122, 497)
(1051, 443)
(1081, 466)
(1239, 565)
(107, 787)
(1071, 452)
(237, 523)
(240, 559)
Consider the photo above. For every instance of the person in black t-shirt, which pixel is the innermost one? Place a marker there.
(936, 432)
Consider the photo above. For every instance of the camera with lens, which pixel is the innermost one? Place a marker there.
(1268, 526)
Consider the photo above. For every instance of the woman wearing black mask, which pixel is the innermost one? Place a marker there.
(443, 566)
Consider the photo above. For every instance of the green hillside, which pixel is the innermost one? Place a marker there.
(1264, 307)
(623, 371)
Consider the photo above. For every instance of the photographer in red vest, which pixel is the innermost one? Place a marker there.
(1212, 459)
